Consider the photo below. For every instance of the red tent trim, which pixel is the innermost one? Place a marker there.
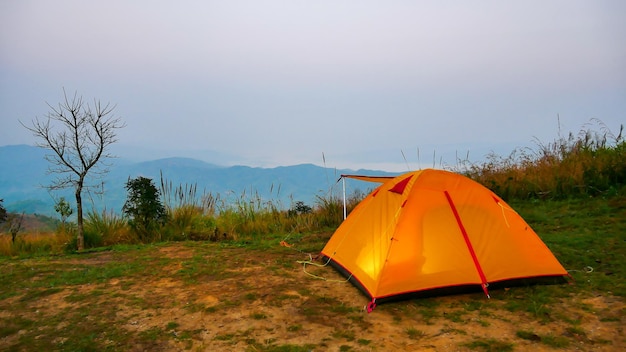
(400, 186)
(468, 243)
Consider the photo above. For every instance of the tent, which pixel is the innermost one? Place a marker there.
(435, 232)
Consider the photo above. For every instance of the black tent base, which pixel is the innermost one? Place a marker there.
(494, 288)
(450, 290)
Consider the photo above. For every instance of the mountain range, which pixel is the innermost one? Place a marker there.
(24, 175)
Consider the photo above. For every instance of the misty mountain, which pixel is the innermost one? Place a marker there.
(23, 175)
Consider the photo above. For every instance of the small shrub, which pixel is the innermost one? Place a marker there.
(144, 209)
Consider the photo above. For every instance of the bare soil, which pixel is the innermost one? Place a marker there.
(263, 300)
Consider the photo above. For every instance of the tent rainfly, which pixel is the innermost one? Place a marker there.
(436, 232)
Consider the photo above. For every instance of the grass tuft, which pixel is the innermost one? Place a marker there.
(489, 345)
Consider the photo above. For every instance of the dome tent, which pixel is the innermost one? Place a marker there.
(433, 231)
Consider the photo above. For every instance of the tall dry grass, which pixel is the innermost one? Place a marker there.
(106, 228)
(590, 163)
(35, 243)
(204, 216)
(207, 218)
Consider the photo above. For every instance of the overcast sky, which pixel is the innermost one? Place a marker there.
(355, 83)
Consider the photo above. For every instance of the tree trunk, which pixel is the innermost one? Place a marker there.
(79, 214)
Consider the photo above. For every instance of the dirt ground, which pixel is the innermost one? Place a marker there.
(265, 301)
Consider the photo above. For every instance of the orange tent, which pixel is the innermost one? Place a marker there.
(434, 231)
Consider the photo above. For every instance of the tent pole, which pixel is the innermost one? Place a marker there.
(469, 245)
(343, 179)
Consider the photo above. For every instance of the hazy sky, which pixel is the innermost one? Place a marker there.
(361, 82)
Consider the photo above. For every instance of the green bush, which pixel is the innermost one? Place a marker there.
(144, 209)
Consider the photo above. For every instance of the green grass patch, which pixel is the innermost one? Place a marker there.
(455, 316)
(152, 334)
(12, 325)
(171, 325)
(76, 297)
(364, 342)
(489, 345)
(527, 335)
(587, 237)
(414, 334)
(285, 348)
(555, 341)
(251, 296)
(258, 315)
(550, 339)
(294, 328)
(345, 334)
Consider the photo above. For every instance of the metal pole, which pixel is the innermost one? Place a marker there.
(343, 179)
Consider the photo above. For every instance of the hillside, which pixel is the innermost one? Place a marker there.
(24, 173)
(254, 295)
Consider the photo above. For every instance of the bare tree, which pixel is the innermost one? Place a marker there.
(79, 135)
(15, 225)
(3, 212)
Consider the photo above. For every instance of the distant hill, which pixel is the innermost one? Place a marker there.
(32, 223)
(23, 173)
